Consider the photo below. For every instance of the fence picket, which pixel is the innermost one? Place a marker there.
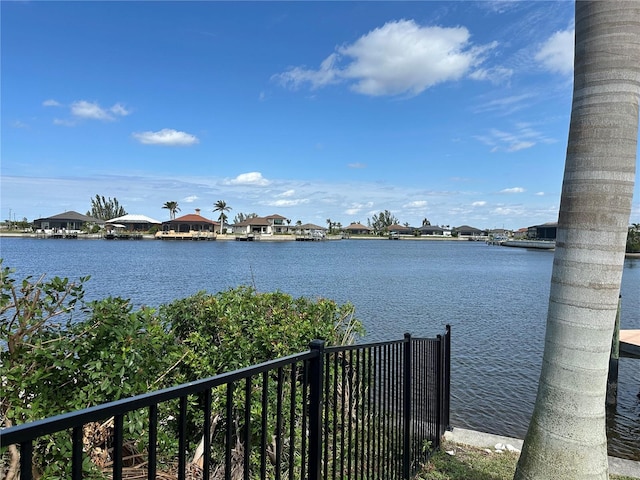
(355, 412)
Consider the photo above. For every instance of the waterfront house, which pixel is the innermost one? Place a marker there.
(400, 229)
(134, 223)
(309, 229)
(72, 222)
(278, 223)
(467, 231)
(356, 228)
(500, 233)
(427, 230)
(272, 224)
(192, 226)
(521, 233)
(546, 231)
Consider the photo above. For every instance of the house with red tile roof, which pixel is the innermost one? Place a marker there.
(192, 226)
(357, 229)
(400, 229)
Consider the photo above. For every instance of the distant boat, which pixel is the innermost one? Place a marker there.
(539, 244)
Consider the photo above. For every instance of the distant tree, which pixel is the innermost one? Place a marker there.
(105, 208)
(330, 224)
(298, 223)
(633, 239)
(222, 207)
(173, 208)
(241, 217)
(426, 222)
(381, 222)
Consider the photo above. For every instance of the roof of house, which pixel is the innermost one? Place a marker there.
(71, 215)
(192, 218)
(546, 225)
(356, 226)
(275, 216)
(253, 221)
(132, 218)
(310, 226)
(397, 227)
(467, 227)
(431, 228)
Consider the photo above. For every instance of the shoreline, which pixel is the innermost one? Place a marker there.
(271, 238)
(232, 237)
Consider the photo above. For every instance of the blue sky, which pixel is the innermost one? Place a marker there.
(453, 111)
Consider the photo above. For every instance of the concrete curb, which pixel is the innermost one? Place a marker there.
(617, 466)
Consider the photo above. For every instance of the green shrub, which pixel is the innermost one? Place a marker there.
(60, 354)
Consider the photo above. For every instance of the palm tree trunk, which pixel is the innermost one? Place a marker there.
(566, 437)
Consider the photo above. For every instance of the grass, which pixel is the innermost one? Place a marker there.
(471, 463)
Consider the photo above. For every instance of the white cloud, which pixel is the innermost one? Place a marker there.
(93, 111)
(119, 109)
(251, 178)
(512, 190)
(521, 138)
(190, 199)
(504, 105)
(495, 75)
(357, 165)
(514, 210)
(325, 75)
(556, 54)
(356, 208)
(480, 203)
(415, 204)
(166, 137)
(51, 103)
(288, 193)
(64, 122)
(401, 57)
(19, 124)
(539, 194)
(286, 203)
(83, 110)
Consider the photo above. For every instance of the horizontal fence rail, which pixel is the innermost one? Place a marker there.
(370, 411)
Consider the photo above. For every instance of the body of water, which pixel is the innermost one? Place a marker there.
(495, 299)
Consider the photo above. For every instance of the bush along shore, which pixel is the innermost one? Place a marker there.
(62, 354)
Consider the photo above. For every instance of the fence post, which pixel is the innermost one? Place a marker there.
(315, 409)
(439, 386)
(612, 377)
(447, 378)
(406, 409)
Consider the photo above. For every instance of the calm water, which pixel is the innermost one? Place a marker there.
(495, 299)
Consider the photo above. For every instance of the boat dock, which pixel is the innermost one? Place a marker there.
(630, 343)
(57, 234)
(309, 238)
(538, 244)
(245, 238)
(194, 236)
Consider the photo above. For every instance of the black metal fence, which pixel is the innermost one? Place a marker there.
(373, 411)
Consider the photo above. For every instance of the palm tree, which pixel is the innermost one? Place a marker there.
(221, 206)
(173, 208)
(330, 224)
(566, 437)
